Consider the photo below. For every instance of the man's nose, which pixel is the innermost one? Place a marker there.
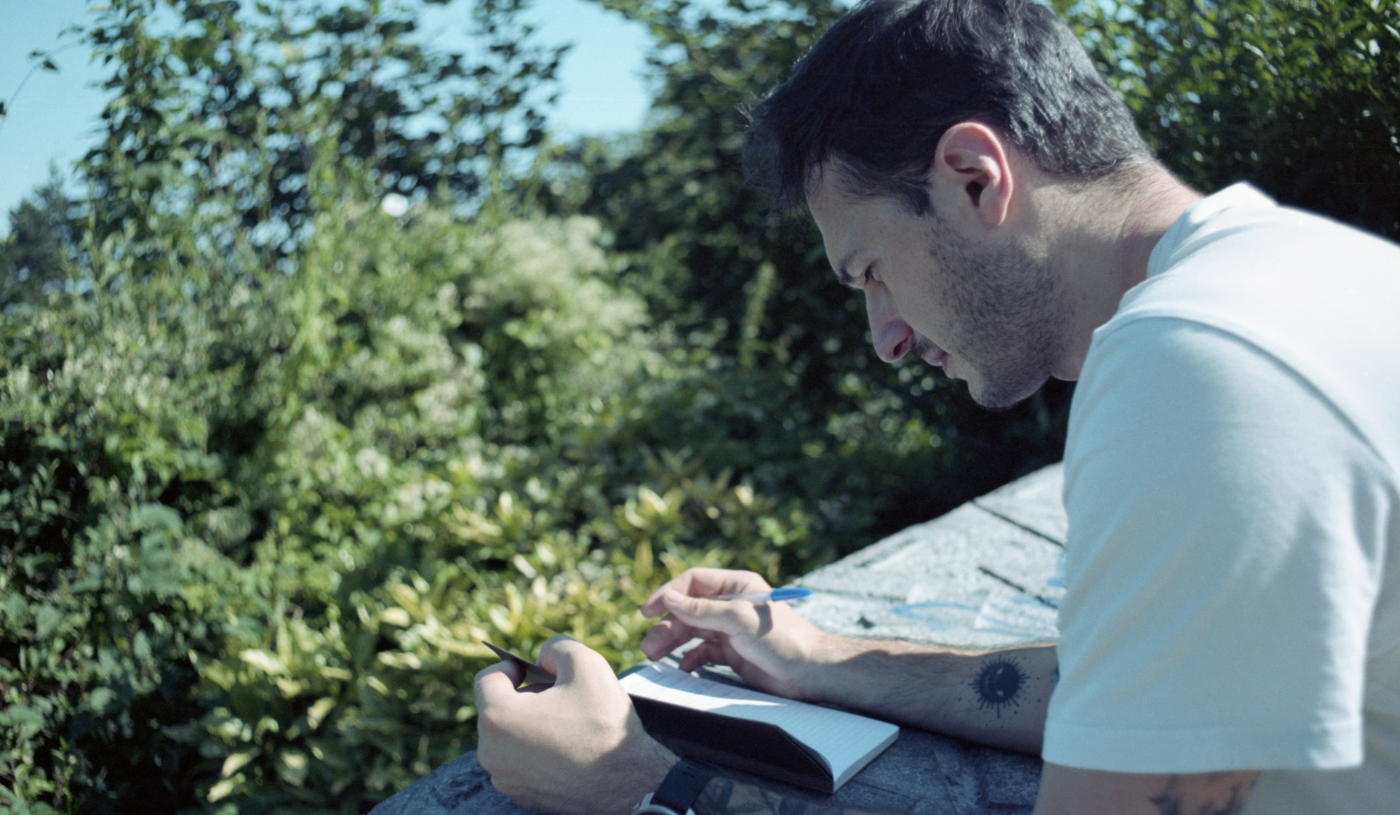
(891, 336)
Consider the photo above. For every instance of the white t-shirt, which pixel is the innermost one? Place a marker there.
(1231, 483)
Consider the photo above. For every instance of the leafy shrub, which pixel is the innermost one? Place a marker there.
(796, 392)
(262, 520)
(264, 502)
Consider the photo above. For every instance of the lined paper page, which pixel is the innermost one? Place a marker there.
(842, 739)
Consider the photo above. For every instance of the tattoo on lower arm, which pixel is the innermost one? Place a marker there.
(1173, 801)
(999, 685)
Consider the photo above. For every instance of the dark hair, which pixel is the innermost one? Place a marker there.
(885, 82)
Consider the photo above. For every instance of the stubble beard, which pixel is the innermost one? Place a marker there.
(1009, 315)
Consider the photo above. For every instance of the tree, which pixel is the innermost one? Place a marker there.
(210, 97)
(41, 245)
(752, 286)
(1302, 98)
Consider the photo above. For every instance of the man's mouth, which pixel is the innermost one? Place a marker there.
(930, 353)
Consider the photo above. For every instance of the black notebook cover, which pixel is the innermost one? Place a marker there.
(753, 747)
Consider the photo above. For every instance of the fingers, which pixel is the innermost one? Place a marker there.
(704, 583)
(496, 680)
(703, 615)
(706, 653)
(494, 689)
(682, 583)
(572, 661)
(665, 637)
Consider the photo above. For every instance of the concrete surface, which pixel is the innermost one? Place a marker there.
(984, 575)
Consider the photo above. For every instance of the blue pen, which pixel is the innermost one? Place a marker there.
(773, 595)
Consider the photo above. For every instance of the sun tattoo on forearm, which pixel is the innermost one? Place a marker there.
(999, 684)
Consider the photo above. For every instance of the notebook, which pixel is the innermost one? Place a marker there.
(807, 745)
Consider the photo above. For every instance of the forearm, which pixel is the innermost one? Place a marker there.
(998, 698)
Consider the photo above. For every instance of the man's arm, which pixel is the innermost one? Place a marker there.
(1071, 791)
(997, 698)
(577, 747)
(1063, 791)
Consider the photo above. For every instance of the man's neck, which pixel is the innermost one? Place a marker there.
(1106, 233)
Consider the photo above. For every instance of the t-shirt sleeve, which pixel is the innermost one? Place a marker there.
(1222, 566)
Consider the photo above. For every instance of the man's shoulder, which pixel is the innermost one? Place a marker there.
(1240, 228)
(1285, 280)
(1313, 298)
(1253, 256)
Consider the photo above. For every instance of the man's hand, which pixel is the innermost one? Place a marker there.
(995, 697)
(768, 644)
(574, 747)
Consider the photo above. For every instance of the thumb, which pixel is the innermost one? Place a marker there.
(569, 659)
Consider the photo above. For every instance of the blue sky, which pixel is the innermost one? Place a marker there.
(54, 116)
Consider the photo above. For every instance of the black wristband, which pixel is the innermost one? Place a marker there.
(682, 785)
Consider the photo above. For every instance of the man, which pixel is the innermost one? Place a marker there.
(1230, 635)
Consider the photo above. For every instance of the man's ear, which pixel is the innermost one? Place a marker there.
(971, 172)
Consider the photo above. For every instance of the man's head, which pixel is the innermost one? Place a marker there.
(990, 312)
(881, 87)
(938, 144)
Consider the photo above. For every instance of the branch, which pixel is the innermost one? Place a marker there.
(43, 60)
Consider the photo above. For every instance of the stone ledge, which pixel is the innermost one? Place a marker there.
(922, 774)
(982, 576)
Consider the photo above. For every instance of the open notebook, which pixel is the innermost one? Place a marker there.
(807, 745)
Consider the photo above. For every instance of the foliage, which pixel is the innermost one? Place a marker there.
(38, 248)
(236, 95)
(274, 460)
(311, 495)
(1301, 98)
(711, 254)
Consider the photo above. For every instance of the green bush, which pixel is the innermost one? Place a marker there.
(262, 519)
(265, 491)
(798, 398)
